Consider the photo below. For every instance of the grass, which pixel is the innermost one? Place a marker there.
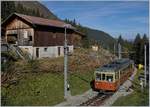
(43, 89)
(137, 98)
(41, 81)
(80, 82)
(36, 89)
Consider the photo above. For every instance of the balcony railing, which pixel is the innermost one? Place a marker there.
(25, 43)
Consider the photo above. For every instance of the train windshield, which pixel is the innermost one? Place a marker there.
(109, 77)
(98, 76)
(104, 77)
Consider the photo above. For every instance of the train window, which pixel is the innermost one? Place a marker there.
(109, 78)
(116, 75)
(98, 76)
(103, 76)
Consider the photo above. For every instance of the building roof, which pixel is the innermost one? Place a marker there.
(39, 20)
(42, 21)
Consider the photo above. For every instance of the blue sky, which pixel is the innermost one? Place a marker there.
(114, 17)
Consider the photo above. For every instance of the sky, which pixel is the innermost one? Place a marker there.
(126, 18)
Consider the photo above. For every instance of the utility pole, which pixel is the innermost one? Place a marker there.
(145, 65)
(65, 63)
(119, 50)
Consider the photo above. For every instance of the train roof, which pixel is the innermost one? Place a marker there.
(115, 65)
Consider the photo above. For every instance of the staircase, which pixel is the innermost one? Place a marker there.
(18, 52)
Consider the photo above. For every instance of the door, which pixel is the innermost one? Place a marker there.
(37, 52)
(58, 51)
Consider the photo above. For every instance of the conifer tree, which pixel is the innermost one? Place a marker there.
(137, 49)
(120, 40)
(7, 7)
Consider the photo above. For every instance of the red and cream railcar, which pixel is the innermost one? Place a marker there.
(109, 77)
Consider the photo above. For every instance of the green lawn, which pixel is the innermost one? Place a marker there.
(137, 98)
(44, 89)
(80, 82)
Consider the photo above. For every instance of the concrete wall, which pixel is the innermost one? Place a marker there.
(29, 49)
(50, 51)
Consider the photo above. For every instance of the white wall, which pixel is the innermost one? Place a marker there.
(28, 48)
(52, 51)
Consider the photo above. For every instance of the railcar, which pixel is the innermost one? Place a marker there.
(110, 76)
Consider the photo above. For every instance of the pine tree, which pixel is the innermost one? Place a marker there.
(37, 13)
(7, 8)
(145, 39)
(20, 8)
(74, 22)
(137, 49)
(120, 40)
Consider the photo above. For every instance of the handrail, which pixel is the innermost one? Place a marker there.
(20, 52)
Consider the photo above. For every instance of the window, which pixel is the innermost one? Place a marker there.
(109, 78)
(117, 75)
(45, 49)
(30, 38)
(103, 76)
(25, 34)
(98, 76)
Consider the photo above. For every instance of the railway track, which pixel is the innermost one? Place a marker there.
(97, 100)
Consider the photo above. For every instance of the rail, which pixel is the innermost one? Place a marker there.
(97, 100)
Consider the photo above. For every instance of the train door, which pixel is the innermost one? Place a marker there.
(119, 77)
(103, 76)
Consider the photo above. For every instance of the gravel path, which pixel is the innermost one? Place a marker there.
(78, 99)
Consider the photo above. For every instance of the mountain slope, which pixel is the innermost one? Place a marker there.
(35, 5)
(104, 38)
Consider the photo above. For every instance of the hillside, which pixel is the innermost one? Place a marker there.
(33, 8)
(104, 38)
(35, 5)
